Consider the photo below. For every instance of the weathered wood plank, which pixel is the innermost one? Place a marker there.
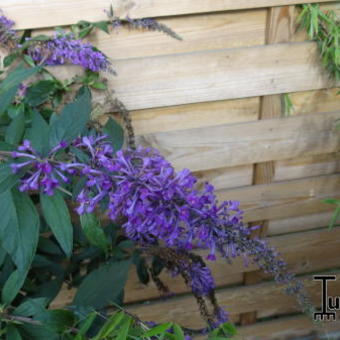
(304, 253)
(239, 144)
(65, 12)
(286, 328)
(226, 178)
(285, 199)
(192, 116)
(315, 101)
(261, 297)
(303, 167)
(299, 223)
(214, 75)
(199, 32)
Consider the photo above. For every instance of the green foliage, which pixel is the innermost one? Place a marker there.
(43, 246)
(324, 28)
(336, 214)
(111, 279)
(58, 218)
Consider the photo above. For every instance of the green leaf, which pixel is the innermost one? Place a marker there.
(99, 86)
(115, 132)
(111, 279)
(158, 330)
(124, 330)
(334, 218)
(12, 287)
(102, 25)
(7, 97)
(19, 228)
(12, 333)
(31, 307)
(58, 218)
(72, 120)
(7, 178)
(8, 60)
(56, 320)
(16, 77)
(142, 270)
(39, 92)
(86, 325)
(93, 231)
(16, 129)
(38, 134)
(178, 332)
(110, 325)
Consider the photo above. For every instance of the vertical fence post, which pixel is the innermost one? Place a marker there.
(279, 29)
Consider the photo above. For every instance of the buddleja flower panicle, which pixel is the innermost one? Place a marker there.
(64, 48)
(7, 33)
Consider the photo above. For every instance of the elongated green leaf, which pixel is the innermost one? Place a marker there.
(111, 279)
(334, 218)
(93, 231)
(15, 130)
(158, 330)
(12, 287)
(31, 307)
(110, 325)
(12, 333)
(72, 119)
(38, 134)
(16, 77)
(39, 92)
(178, 332)
(115, 132)
(58, 218)
(7, 97)
(7, 178)
(85, 326)
(124, 330)
(19, 228)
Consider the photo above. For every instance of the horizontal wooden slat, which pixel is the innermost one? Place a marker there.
(226, 178)
(304, 252)
(247, 143)
(199, 32)
(325, 164)
(214, 75)
(285, 199)
(260, 297)
(306, 102)
(288, 328)
(299, 223)
(65, 12)
(183, 117)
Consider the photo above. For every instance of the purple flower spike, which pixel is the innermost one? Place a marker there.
(64, 48)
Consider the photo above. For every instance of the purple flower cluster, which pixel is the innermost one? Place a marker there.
(40, 173)
(6, 29)
(158, 206)
(64, 48)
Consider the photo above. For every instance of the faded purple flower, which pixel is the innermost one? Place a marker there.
(64, 48)
(7, 32)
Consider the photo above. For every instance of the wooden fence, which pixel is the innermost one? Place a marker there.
(212, 103)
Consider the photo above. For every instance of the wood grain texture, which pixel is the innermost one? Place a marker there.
(324, 164)
(285, 199)
(65, 12)
(299, 223)
(246, 143)
(261, 297)
(214, 75)
(199, 32)
(183, 117)
(304, 253)
(286, 328)
(315, 101)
